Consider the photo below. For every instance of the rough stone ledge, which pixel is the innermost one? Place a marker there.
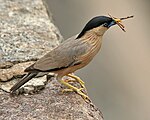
(26, 34)
(48, 104)
(26, 31)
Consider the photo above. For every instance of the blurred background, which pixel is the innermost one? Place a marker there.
(118, 79)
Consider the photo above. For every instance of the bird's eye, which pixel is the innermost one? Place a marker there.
(105, 24)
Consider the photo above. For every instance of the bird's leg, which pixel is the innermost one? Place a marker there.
(79, 91)
(70, 90)
(77, 79)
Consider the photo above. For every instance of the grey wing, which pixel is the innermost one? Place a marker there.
(63, 56)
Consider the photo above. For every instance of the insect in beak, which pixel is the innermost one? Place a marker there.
(119, 20)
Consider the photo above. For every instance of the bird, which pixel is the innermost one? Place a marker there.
(72, 54)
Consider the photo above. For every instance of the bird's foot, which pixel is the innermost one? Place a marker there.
(77, 79)
(72, 88)
(84, 96)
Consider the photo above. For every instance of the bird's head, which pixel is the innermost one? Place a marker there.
(102, 23)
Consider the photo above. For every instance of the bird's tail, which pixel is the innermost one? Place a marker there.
(25, 79)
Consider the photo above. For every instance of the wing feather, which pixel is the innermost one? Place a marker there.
(63, 56)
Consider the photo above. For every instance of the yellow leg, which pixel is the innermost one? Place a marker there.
(79, 91)
(77, 79)
(70, 90)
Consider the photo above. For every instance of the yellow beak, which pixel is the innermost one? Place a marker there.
(117, 20)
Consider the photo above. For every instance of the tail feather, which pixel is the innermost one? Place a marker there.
(25, 79)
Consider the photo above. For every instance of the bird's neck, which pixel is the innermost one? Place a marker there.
(94, 38)
(99, 31)
(95, 41)
(95, 32)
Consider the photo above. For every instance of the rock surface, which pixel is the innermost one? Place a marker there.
(49, 104)
(26, 34)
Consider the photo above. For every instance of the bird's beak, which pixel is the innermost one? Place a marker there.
(114, 22)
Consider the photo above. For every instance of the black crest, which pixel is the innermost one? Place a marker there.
(93, 23)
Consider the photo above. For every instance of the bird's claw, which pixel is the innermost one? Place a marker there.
(84, 96)
(75, 89)
(71, 90)
(67, 90)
